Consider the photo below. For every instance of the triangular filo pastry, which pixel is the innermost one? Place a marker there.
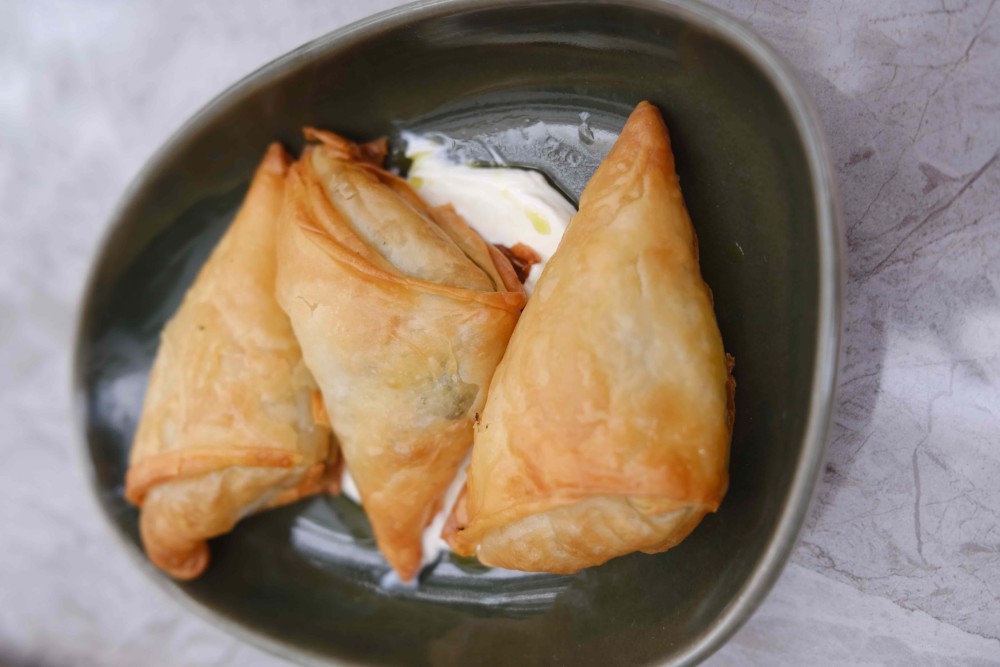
(228, 424)
(608, 422)
(403, 313)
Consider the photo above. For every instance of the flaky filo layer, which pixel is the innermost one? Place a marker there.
(227, 427)
(608, 422)
(403, 313)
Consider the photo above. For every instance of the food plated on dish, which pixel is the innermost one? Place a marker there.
(543, 89)
(347, 327)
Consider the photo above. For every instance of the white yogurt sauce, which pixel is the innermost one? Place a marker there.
(506, 206)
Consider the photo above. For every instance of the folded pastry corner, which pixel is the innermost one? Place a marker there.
(403, 313)
(228, 425)
(608, 422)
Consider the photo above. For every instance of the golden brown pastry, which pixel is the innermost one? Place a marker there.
(403, 313)
(608, 422)
(227, 428)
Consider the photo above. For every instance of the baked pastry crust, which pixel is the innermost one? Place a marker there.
(403, 313)
(227, 427)
(608, 422)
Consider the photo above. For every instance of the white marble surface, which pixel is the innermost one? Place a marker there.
(900, 561)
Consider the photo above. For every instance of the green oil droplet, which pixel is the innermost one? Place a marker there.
(540, 224)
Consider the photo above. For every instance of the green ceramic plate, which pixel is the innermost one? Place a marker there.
(545, 84)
